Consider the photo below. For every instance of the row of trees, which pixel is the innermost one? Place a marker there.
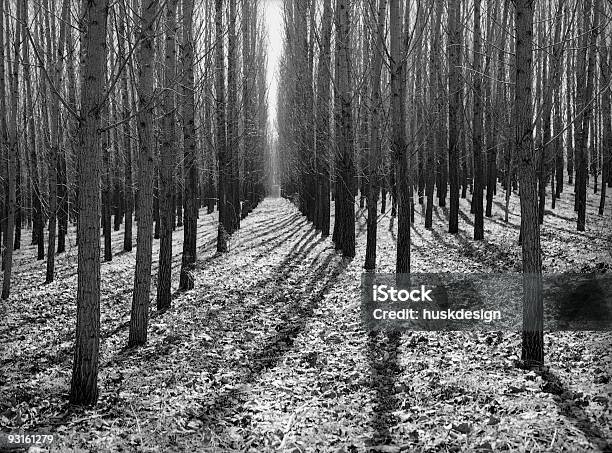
(420, 109)
(132, 110)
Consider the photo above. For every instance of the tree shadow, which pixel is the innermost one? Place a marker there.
(466, 218)
(278, 240)
(293, 314)
(382, 355)
(299, 251)
(569, 403)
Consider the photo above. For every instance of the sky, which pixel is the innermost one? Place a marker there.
(273, 13)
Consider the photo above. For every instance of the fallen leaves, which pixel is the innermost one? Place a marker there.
(268, 352)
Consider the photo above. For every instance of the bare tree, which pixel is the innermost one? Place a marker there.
(375, 149)
(84, 387)
(142, 279)
(13, 152)
(533, 339)
(398, 143)
(322, 158)
(189, 148)
(344, 158)
(586, 70)
(167, 162)
(477, 134)
(223, 185)
(454, 109)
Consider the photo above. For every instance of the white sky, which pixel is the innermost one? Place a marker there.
(273, 13)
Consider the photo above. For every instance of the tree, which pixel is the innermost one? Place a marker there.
(373, 161)
(248, 85)
(8, 144)
(167, 162)
(125, 133)
(139, 318)
(454, 109)
(54, 129)
(38, 236)
(224, 161)
(83, 388)
(606, 75)
(398, 143)
(435, 94)
(344, 158)
(189, 152)
(533, 338)
(233, 209)
(586, 70)
(322, 142)
(477, 201)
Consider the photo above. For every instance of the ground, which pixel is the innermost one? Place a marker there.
(268, 352)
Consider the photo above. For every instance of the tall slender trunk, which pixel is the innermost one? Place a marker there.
(323, 113)
(224, 195)
(247, 108)
(166, 171)
(53, 154)
(569, 141)
(454, 110)
(398, 143)
(144, 240)
(345, 165)
(190, 164)
(374, 151)
(606, 168)
(495, 100)
(12, 150)
(533, 338)
(233, 146)
(62, 181)
(38, 221)
(435, 96)
(106, 186)
(477, 133)
(586, 70)
(125, 128)
(83, 388)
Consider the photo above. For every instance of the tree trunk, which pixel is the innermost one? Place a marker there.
(586, 70)
(84, 388)
(12, 151)
(606, 168)
(454, 110)
(533, 339)
(323, 113)
(398, 144)
(38, 226)
(224, 193)
(144, 240)
(374, 158)
(106, 189)
(166, 172)
(233, 209)
(189, 149)
(346, 169)
(125, 129)
(477, 200)
(435, 94)
(569, 80)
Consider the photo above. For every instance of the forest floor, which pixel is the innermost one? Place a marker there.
(268, 352)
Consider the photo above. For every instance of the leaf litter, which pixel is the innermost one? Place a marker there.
(268, 353)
